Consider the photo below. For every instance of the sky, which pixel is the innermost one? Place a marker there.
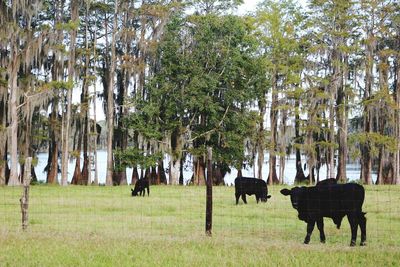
(248, 5)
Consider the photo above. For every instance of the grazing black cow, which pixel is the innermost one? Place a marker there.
(140, 187)
(332, 201)
(250, 186)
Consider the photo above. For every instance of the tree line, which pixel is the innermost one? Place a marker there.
(178, 76)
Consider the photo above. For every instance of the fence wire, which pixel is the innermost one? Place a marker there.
(178, 212)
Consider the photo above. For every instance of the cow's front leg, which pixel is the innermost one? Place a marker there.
(257, 199)
(320, 225)
(244, 198)
(310, 228)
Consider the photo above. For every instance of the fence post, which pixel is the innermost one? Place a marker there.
(209, 192)
(24, 200)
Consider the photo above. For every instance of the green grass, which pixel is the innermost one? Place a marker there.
(105, 226)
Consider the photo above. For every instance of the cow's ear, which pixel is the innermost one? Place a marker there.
(131, 189)
(286, 192)
(269, 196)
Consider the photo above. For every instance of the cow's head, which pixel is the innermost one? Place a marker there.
(134, 192)
(295, 195)
(265, 197)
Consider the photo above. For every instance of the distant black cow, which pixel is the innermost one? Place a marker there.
(140, 187)
(332, 201)
(250, 186)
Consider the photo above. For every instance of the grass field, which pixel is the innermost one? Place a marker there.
(105, 226)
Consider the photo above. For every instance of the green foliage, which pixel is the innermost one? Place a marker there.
(70, 26)
(58, 85)
(133, 157)
(373, 140)
(3, 82)
(204, 84)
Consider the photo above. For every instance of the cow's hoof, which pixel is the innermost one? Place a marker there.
(352, 243)
(323, 241)
(363, 243)
(306, 241)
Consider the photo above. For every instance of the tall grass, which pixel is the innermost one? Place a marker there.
(105, 226)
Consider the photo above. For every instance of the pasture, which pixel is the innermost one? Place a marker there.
(105, 226)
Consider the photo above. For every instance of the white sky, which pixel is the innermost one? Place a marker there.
(247, 6)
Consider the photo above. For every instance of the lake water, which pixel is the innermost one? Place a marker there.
(353, 170)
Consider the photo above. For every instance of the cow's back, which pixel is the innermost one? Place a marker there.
(333, 199)
(249, 185)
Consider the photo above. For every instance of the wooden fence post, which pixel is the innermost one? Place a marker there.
(209, 192)
(24, 200)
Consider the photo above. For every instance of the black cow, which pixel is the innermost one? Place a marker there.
(140, 187)
(250, 186)
(333, 201)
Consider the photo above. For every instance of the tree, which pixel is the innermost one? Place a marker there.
(71, 73)
(278, 24)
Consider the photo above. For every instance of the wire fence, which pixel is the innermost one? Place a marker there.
(178, 212)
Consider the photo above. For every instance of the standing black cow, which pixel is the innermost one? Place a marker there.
(250, 186)
(334, 201)
(140, 187)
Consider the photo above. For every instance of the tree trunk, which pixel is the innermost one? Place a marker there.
(71, 68)
(341, 115)
(174, 171)
(218, 176)
(161, 173)
(96, 134)
(300, 177)
(181, 179)
(199, 171)
(52, 171)
(383, 67)
(396, 166)
(176, 155)
(3, 140)
(14, 95)
(261, 138)
(282, 146)
(331, 148)
(110, 101)
(77, 176)
(272, 176)
(366, 159)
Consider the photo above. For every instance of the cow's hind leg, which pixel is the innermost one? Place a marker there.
(148, 191)
(244, 198)
(362, 221)
(353, 220)
(237, 196)
(320, 225)
(310, 228)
